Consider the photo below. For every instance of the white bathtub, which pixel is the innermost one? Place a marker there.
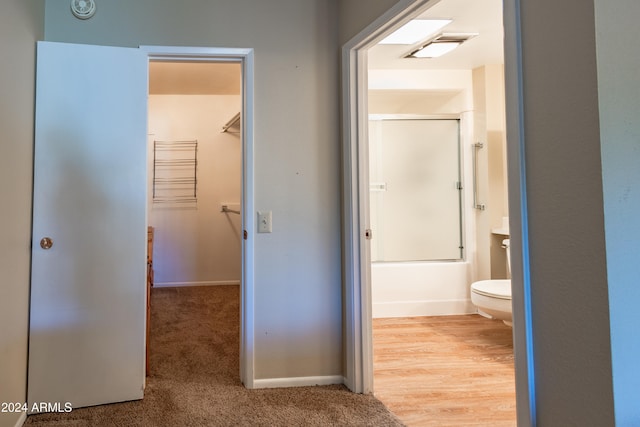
(428, 288)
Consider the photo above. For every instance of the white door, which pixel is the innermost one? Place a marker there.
(87, 329)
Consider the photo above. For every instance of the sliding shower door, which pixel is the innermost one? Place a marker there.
(415, 189)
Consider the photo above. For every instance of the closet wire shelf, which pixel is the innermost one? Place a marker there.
(175, 167)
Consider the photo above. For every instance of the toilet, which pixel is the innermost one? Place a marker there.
(493, 297)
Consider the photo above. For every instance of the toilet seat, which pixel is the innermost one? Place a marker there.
(500, 288)
(493, 299)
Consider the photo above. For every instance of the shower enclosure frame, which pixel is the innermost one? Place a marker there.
(460, 185)
(402, 287)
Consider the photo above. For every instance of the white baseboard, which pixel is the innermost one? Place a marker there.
(21, 420)
(184, 284)
(298, 381)
(422, 308)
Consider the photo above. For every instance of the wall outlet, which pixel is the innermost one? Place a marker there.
(264, 222)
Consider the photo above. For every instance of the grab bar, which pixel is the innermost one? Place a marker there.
(480, 206)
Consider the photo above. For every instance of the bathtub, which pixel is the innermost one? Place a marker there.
(423, 288)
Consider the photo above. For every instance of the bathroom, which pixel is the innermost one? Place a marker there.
(437, 174)
(467, 89)
(410, 283)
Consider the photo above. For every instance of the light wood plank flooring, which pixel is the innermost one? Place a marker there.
(445, 370)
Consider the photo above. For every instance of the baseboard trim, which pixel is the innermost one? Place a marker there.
(298, 381)
(422, 308)
(185, 284)
(21, 420)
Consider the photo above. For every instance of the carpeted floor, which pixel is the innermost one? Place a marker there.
(194, 378)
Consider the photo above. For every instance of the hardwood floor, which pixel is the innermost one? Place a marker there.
(445, 371)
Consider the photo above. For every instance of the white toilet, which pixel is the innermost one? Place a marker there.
(493, 297)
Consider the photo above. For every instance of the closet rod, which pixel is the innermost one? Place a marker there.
(226, 209)
(231, 122)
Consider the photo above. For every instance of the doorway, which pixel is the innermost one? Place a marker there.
(194, 175)
(97, 162)
(244, 125)
(420, 279)
(356, 190)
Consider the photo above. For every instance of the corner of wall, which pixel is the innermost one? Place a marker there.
(22, 25)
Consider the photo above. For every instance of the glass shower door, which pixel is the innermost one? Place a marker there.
(415, 189)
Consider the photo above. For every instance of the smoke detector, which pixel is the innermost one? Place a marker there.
(83, 9)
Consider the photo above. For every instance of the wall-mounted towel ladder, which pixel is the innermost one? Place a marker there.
(175, 167)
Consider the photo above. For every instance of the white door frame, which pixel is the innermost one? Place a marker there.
(245, 58)
(359, 351)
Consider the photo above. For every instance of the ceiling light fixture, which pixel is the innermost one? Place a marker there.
(440, 45)
(414, 31)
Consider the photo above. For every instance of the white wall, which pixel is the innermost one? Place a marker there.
(198, 244)
(619, 101)
(563, 208)
(21, 24)
(298, 290)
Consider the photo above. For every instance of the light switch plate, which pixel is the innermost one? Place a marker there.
(264, 222)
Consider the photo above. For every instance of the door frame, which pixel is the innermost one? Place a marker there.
(357, 272)
(245, 57)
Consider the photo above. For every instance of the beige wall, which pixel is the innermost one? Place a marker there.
(356, 15)
(489, 123)
(416, 102)
(21, 24)
(197, 244)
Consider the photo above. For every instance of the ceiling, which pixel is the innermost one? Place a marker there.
(194, 78)
(469, 16)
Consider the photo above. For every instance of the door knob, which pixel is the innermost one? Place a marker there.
(46, 243)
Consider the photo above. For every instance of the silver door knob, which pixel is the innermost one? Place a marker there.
(46, 243)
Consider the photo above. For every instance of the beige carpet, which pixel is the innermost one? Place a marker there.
(194, 379)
